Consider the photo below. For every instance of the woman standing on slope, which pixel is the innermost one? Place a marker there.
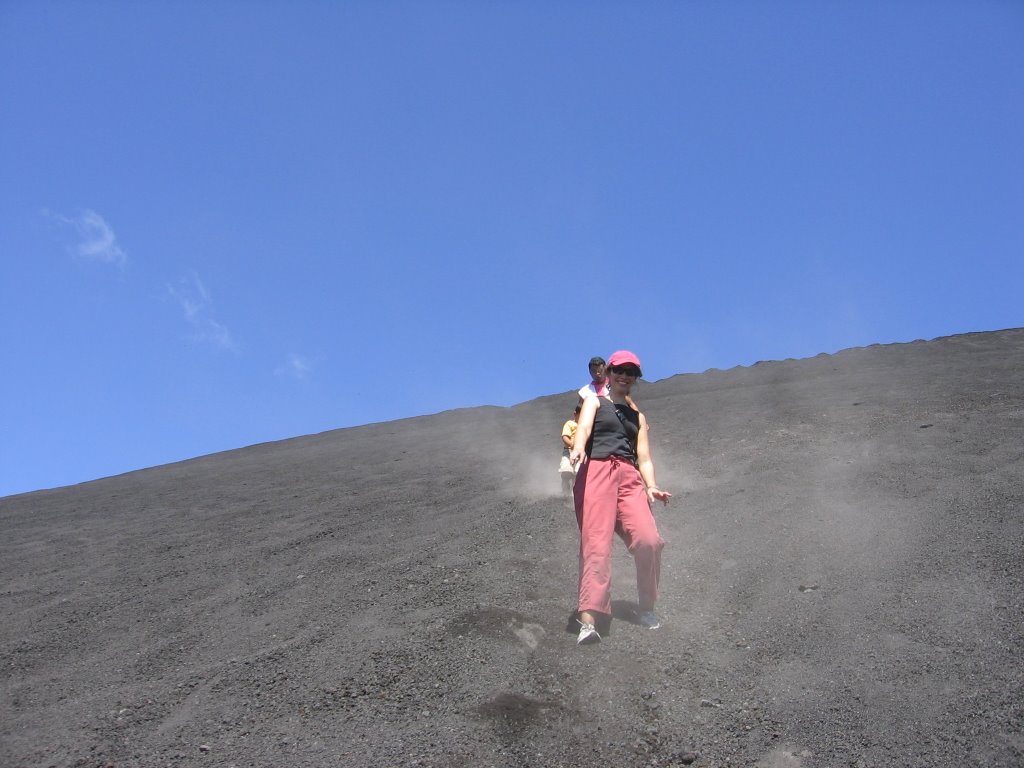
(614, 491)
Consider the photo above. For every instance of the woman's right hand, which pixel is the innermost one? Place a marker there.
(576, 456)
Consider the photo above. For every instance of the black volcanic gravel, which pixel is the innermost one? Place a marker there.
(842, 586)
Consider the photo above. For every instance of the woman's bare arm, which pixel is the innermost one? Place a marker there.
(646, 465)
(584, 426)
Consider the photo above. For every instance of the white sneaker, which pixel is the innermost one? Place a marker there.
(588, 634)
(648, 620)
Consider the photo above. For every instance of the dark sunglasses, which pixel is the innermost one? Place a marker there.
(628, 370)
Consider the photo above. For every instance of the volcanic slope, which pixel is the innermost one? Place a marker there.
(842, 586)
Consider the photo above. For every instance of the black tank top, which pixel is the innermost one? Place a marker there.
(615, 430)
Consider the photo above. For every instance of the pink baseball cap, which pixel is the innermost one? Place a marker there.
(624, 357)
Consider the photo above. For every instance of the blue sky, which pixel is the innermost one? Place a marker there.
(223, 223)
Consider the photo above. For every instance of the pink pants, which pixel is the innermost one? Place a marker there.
(610, 498)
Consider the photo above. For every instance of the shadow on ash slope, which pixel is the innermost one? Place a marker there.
(841, 587)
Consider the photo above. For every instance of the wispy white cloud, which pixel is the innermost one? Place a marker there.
(95, 238)
(296, 367)
(197, 307)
